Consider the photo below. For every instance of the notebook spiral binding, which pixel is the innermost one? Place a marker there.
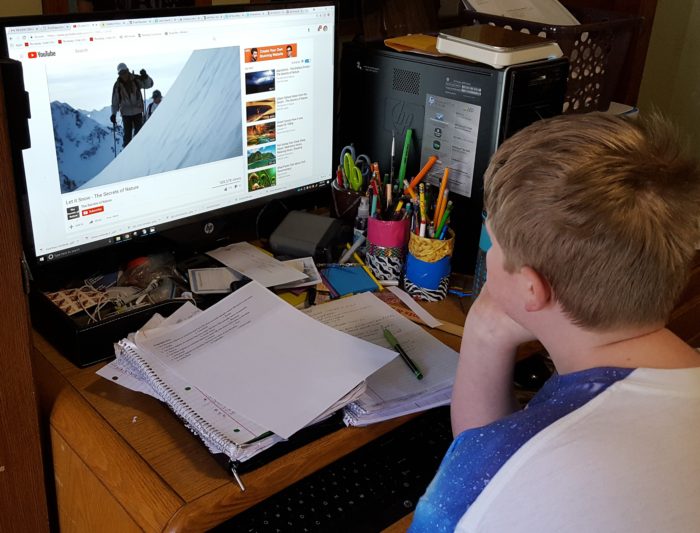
(194, 422)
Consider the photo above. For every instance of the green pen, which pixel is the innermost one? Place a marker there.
(406, 359)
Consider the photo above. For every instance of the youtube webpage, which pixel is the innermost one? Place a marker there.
(217, 110)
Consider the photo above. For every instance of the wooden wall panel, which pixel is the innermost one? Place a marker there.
(22, 490)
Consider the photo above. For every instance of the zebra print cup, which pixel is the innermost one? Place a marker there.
(428, 267)
(386, 247)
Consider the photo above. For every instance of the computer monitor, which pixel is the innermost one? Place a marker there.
(218, 109)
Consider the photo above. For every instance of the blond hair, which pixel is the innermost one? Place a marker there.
(605, 208)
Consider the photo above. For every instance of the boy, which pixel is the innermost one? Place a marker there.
(594, 222)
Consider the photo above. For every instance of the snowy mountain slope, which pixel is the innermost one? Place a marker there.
(83, 146)
(99, 115)
(198, 122)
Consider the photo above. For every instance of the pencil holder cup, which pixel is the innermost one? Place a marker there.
(386, 247)
(428, 266)
(344, 203)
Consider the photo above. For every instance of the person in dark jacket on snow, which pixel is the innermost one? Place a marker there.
(157, 98)
(127, 100)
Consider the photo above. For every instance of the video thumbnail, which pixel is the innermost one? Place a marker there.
(260, 110)
(261, 81)
(261, 179)
(262, 157)
(261, 133)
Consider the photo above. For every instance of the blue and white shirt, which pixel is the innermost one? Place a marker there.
(534, 470)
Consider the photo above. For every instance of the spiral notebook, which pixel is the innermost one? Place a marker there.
(205, 365)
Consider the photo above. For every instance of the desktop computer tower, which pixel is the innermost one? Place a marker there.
(458, 110)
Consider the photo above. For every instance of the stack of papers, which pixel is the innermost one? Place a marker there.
(393, 390)
(245, 260)
(247, 372)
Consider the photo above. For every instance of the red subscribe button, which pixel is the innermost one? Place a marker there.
(93, 210)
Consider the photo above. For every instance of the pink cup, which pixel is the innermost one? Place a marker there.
(386, 247)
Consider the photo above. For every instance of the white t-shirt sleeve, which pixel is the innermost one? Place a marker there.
(627, 461)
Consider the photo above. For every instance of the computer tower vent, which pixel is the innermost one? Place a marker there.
(406, 81)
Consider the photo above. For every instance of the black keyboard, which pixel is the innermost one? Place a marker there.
(365, 491)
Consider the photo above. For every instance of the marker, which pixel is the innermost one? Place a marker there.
(404, 157)
(406, 359)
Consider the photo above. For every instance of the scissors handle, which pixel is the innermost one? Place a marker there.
(349, 149)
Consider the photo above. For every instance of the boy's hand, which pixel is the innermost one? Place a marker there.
(483, 388)
(488, 323)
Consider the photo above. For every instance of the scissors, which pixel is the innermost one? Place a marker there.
(356, 168)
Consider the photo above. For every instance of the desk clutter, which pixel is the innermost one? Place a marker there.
(259, 348)
(251, 370)
(401, 225)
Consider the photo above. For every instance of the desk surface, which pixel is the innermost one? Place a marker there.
(123, 461)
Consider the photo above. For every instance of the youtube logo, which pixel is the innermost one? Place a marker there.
(31, 55)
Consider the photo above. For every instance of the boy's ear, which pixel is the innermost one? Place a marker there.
(536, 289)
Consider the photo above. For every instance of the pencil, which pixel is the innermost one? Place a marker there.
(443, 205)
(421, 201)
(444, 218)
(423, 171)
(410, 192)
(440, 201)
(366, 268)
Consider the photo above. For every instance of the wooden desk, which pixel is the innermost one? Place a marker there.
(123, 462)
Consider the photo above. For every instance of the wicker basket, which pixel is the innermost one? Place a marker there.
(596, 49)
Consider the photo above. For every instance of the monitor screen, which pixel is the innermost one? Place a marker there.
(144, 122)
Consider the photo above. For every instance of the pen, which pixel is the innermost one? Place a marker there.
(393, 153)
(348, 253)
(406, 359)
(366, 268)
